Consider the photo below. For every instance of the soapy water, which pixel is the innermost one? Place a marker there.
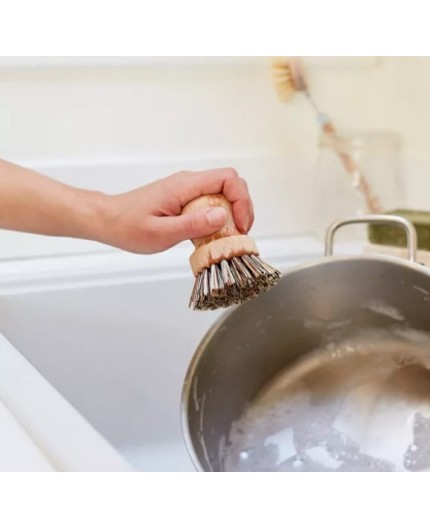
(359, 405)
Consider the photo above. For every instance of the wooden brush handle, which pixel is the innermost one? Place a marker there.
(226, 243)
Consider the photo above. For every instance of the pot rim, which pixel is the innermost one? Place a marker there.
(190, 374)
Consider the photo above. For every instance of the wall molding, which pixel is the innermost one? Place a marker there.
(14, 63)
(118, 267)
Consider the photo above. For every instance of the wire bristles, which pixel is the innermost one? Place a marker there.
(232, 282)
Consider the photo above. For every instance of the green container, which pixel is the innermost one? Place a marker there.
(388, 235)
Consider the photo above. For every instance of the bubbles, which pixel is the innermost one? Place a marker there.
(417, 456)
(297, 463)
(366, 463)
(359, 405)
(379, 307)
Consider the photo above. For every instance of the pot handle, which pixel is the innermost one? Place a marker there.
(411, 234)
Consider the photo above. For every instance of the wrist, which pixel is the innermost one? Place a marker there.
(91, 210)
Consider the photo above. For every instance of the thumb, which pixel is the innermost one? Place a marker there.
(175, 229)
(201, 223)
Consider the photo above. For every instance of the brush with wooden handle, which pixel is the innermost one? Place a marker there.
(289, 78)
(226, 264)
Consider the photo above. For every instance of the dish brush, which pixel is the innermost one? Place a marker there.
(289, 78)
(226, 265)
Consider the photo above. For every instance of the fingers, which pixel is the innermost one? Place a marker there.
(174, 229)
(190, 185)
(235, 189)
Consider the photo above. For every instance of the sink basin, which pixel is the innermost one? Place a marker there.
(118, 354)
(117, 346)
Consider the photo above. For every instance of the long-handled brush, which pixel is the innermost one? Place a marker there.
(226, 264)
(289, 78)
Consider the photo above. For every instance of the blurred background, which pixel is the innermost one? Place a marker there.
(116, 123)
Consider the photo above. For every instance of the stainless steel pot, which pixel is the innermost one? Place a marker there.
(250, 344)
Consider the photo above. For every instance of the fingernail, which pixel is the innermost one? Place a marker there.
(216, 216)
(247, 223)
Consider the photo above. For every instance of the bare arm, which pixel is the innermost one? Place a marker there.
(144, 220)
(37, 204)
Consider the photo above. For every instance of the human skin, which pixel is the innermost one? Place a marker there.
(144, 220)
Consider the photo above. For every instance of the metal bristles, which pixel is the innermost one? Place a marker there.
(232, 282)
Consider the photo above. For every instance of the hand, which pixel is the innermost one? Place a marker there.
(148, 219)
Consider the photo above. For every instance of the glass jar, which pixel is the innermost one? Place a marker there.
(357, 173)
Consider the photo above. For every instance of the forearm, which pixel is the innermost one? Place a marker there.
(34, 203)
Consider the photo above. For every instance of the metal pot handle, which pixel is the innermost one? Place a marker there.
(411, 235)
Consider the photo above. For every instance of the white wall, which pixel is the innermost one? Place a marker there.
(119, 124)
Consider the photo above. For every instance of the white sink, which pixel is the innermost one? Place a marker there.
(117, 346)
(118, 354)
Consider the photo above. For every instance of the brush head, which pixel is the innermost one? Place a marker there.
(232, 282)
(226, 264)
(288, 77)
